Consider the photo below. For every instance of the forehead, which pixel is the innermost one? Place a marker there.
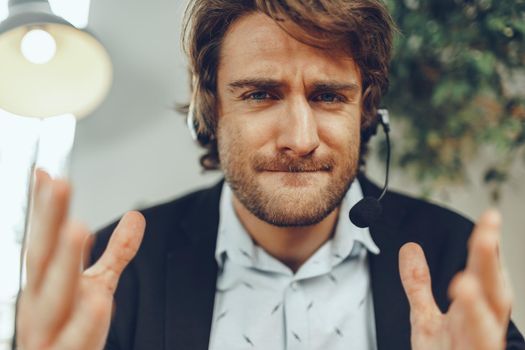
(257, 46)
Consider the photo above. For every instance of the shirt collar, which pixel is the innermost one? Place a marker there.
(234, 242)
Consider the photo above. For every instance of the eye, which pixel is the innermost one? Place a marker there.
(258, 96)
(328, 97)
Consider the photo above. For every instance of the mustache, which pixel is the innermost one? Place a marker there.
(286, 163)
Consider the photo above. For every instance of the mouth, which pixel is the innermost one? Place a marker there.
(283, 165)
(299, 169)
(295, 171)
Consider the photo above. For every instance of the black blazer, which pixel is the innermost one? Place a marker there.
(165, 297)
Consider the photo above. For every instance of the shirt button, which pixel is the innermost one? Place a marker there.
(295, 286)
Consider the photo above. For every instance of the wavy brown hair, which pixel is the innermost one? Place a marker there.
(362, 28)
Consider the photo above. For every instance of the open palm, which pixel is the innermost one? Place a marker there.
(63, 307)
(481, 296)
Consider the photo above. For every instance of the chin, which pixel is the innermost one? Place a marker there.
(293, 214)
(286, 206)
(294, 181)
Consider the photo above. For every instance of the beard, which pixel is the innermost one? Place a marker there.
(309, 187)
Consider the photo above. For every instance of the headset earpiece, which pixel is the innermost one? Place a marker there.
(191, 122)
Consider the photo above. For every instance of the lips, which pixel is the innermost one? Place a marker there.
(298, 168)
(295, 170)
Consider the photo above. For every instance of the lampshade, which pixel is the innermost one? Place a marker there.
(75, 79)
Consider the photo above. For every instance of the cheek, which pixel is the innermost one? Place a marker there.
(246, 136)
(341, 133)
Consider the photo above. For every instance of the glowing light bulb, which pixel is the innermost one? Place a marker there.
(38, 46)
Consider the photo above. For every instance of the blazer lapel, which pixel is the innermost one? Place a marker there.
(191, 276)
(391, 307)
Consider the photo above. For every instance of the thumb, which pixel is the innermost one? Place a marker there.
(415, 277)
(122, 247)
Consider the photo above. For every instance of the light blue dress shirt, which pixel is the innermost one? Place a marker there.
(261, 304)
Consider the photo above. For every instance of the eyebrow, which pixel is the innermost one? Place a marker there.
(258, 83)
(335, 86)
(271, 84)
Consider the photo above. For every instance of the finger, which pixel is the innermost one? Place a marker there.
(36, 252)
(485, 265)
(49, 212)
(122, 247)
(488, 226)
(415, 277)
(479, 328)
(40, 177)
(89, 325)
(56, 298)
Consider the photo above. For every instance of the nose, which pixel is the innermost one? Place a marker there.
(298, 132)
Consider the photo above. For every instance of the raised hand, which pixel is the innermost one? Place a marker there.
(63, 307)
(481, 295)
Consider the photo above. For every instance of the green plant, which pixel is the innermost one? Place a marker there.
(458, 84)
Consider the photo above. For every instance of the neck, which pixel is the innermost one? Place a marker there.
(290, 245)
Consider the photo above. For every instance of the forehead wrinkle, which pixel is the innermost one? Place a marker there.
(293, 69)
(319, 72)
(271, 52)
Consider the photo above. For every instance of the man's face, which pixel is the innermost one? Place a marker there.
(289, 123)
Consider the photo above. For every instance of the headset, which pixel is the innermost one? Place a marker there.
(369, 209)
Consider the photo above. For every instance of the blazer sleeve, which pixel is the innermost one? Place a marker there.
(111, 342)
(515, 340)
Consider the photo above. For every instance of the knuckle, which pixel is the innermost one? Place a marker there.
(426, 327)
(111, 276)
(421, 275)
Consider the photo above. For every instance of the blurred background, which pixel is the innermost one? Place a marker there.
(457, 104)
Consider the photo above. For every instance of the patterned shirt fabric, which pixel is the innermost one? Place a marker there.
(260, 303)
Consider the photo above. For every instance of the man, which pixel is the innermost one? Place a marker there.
(285, 99)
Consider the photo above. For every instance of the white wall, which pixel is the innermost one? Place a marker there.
(135, 150)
